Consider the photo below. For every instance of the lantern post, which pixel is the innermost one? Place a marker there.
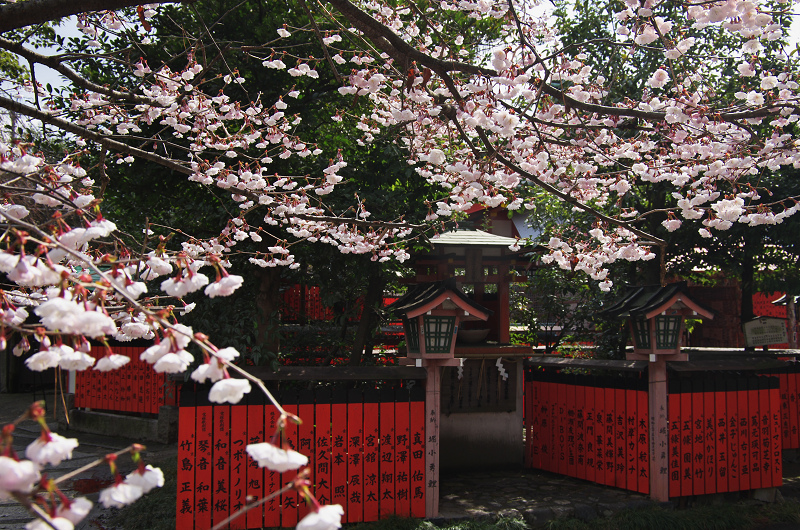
(431, 315)
(656, 319)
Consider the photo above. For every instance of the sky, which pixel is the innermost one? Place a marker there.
(45, 75)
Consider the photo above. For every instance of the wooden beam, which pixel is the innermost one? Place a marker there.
(337, 373)
(547, 361)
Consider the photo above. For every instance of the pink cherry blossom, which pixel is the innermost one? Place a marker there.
(659, 78)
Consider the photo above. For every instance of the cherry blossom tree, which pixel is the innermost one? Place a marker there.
(490, 118)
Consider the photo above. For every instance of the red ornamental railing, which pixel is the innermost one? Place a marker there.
(133, 388)
(591, 428)
(724, 434)
(366, 452)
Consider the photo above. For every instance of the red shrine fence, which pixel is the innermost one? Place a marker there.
(133, 388)
(593, 428)
(726, 432)
(366, 452)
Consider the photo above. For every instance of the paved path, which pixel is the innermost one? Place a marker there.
(536, 496)
(88, 483)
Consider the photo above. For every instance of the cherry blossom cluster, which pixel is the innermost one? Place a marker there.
(25, 479)
(533, 115)
(231, 145)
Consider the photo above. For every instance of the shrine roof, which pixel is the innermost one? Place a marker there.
(472, 237)
(421, 294)
(643, 300)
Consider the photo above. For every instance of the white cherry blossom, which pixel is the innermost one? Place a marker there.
(229, 390)
(274, 458)
(325, 518)
(50, 448)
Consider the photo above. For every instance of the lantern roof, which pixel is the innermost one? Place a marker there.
(424, 297)
(650, 300)
(783, 300)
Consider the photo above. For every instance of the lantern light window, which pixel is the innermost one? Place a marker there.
(641, 332)
(439, 333)
(667, 330)
(412, 335)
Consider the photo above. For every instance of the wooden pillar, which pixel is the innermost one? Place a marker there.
(433, 413)
(504, 305)
(659, 429)
(433, 406)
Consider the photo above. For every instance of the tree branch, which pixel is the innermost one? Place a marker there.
(94, 136)
(30, 12)
(57, 65)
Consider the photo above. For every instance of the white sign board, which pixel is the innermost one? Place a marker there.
(765, 331)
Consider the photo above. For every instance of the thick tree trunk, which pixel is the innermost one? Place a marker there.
(369, 318)
(747, 285)
(268, 303)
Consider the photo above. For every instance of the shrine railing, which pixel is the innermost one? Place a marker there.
(366, 451)
(789, 377)
(133, 388)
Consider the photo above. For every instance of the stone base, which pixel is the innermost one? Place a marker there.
(163, 429)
